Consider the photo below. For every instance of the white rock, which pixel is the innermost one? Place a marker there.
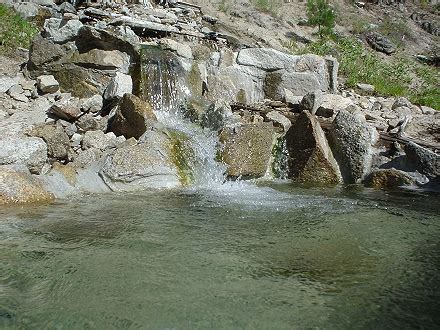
(277, 117)
(118, 86)
(47, 84)
(61, 31)
(6, 83)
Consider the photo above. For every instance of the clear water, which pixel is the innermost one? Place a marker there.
(229, 257)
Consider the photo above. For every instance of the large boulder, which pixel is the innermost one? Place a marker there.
(18, 186)
(141, 166)
(351, 140)
(247, 150)
(119, 85)
(298, 83)
(133, 117)
(310, 157)
(30, 151)
(424, 160)
(380, 43)
(61, 31)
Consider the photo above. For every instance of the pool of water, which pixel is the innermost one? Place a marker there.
(233, 256)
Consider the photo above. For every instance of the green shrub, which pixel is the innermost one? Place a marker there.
(320, 13)
(14, 31)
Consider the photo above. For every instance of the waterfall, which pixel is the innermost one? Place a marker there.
(194, 148)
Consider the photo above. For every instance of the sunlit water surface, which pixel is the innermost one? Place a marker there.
(233, 256)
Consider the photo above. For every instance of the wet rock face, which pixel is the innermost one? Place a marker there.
(133, 117)
(247, 150)
(311, 160)
(351, 140)
(18, 186)
(388, 178)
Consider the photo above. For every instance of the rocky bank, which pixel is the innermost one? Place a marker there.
(81, 114)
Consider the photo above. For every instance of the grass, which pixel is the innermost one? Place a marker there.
(14, 31)
(268, 6)
(394, 77)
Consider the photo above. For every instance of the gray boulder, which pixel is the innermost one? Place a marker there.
(61, 31)
(142, 166)
(380, 43)
(311, 101)
(99, 140)
(424, 160)
(351, 140)
(310, 157)
(266, 59)
(298, 83)
(247, 150)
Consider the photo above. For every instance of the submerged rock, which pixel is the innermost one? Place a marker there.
(311, 159)
(18, 186)
(133, 117)
(247, 150)
(351, 140)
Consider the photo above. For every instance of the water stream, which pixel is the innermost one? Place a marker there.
(221, 255)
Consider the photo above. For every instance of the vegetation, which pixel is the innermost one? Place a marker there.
(320, 13)
(268, 6)
(14, 31)
(395, 77)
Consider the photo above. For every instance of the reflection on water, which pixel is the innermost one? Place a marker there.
(234, 256)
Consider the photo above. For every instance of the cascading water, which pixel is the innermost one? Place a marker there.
(194, 148)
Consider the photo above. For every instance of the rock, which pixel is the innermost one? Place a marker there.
(298, 83)
(290, 99)
(425, 161)
(142, 166)
(18, 186)
(6, 83)
(311, 101)
(47, 84)
(17, 93)
(380, 43)
(99, 140)
(324, 70)
(182, 50)
(427, 110)
(67, 7)
(66, 109)
(58, 142)
(311, 159)
(92, 104)
(103, 60)
(30, 151)
(401, 102)
(365, 88)
(142, 27)
(61, 31)
(118, 86)
(210, 19)
(90, 122)
(351, 140)
(332, 104)
(132, 117)
(216, 115)
(388, 178)
(87, 157)
(279, 120)
(247, 150)
(266, 59)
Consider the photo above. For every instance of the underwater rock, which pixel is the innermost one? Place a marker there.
(310, 157)
(247, 150)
